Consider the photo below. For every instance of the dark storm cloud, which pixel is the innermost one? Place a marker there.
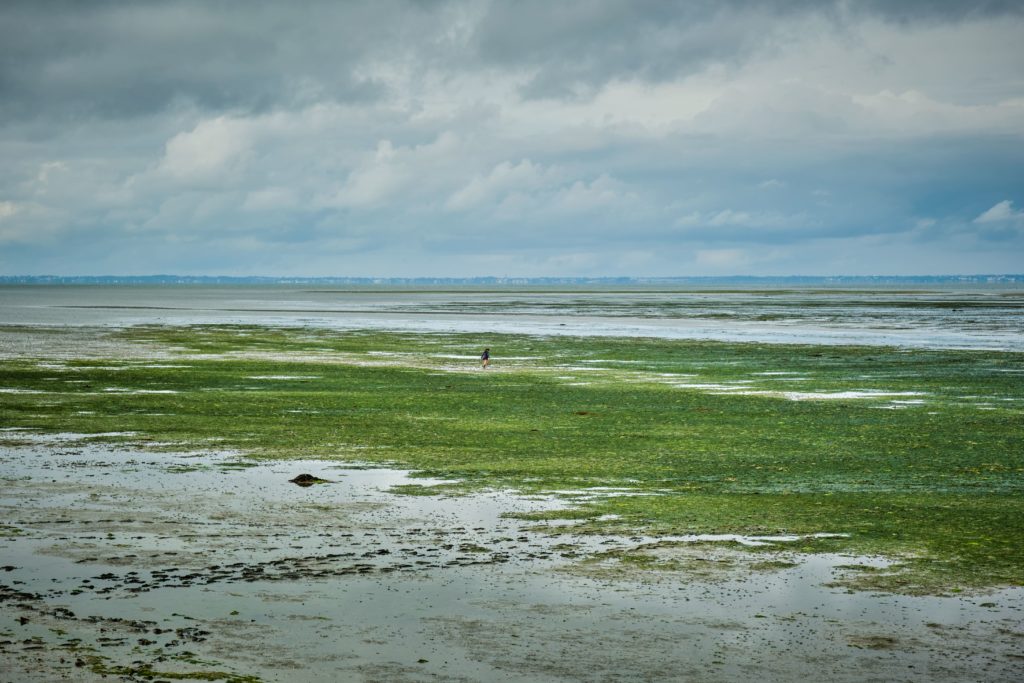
(909, 11)
(577, 45)
(580, 44)
(71, 60)
(114, 59)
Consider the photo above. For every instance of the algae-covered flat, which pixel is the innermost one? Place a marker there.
(914, 454)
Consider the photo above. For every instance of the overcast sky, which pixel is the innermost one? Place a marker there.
(538, 138)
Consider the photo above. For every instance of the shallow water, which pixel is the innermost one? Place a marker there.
(977, 317)
(144, 557)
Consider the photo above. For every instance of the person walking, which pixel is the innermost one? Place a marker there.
(485, 358)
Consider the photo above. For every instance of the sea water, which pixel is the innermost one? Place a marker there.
(973, 317)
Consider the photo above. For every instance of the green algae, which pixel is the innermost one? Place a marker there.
(706, 430)
(773, 565)
(101, 666)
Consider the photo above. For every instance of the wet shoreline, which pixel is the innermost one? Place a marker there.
(124, 562)
(969, 318)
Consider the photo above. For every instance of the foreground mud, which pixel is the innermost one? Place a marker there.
(130, 565)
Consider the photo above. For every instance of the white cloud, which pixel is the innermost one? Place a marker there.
(208, 150)
(873, 78)
(723, 258)
(632, 107)
(755, 219)
(730, 217)
(1003, 211)
(46, 169)
(373, 182)
(29, 223)
(503, 180)
(915, 113)
(689, 220)
(270, 199)
(528, 190)
(391, 172)
(602, 193)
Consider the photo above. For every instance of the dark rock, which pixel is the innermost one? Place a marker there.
(307, 480)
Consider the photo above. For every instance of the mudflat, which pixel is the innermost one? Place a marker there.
(679, 508)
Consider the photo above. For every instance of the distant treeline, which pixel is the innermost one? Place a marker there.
(805, 280)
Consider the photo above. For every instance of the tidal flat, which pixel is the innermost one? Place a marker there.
(681, 508)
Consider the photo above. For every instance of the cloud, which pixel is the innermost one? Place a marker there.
(580, 45)
(391, 172)
(207, 151)
(28, 223)
(748, 219)
(502, 180)
(71, 61)
(402, 137)
(1000, 213)
(47, 169)
(270, 199)
(752, 225)
(910, 11)
(601, 194)
(527, 189)
(729, 260)
(527, 192)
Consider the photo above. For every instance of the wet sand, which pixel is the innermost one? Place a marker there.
(128, 562)
(951, 318)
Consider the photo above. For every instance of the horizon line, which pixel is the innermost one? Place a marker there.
(506, 278)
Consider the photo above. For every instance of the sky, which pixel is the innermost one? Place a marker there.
(582, 138)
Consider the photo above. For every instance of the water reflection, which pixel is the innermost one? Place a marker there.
(145, 557)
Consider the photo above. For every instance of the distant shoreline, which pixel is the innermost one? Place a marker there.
(502, 282)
